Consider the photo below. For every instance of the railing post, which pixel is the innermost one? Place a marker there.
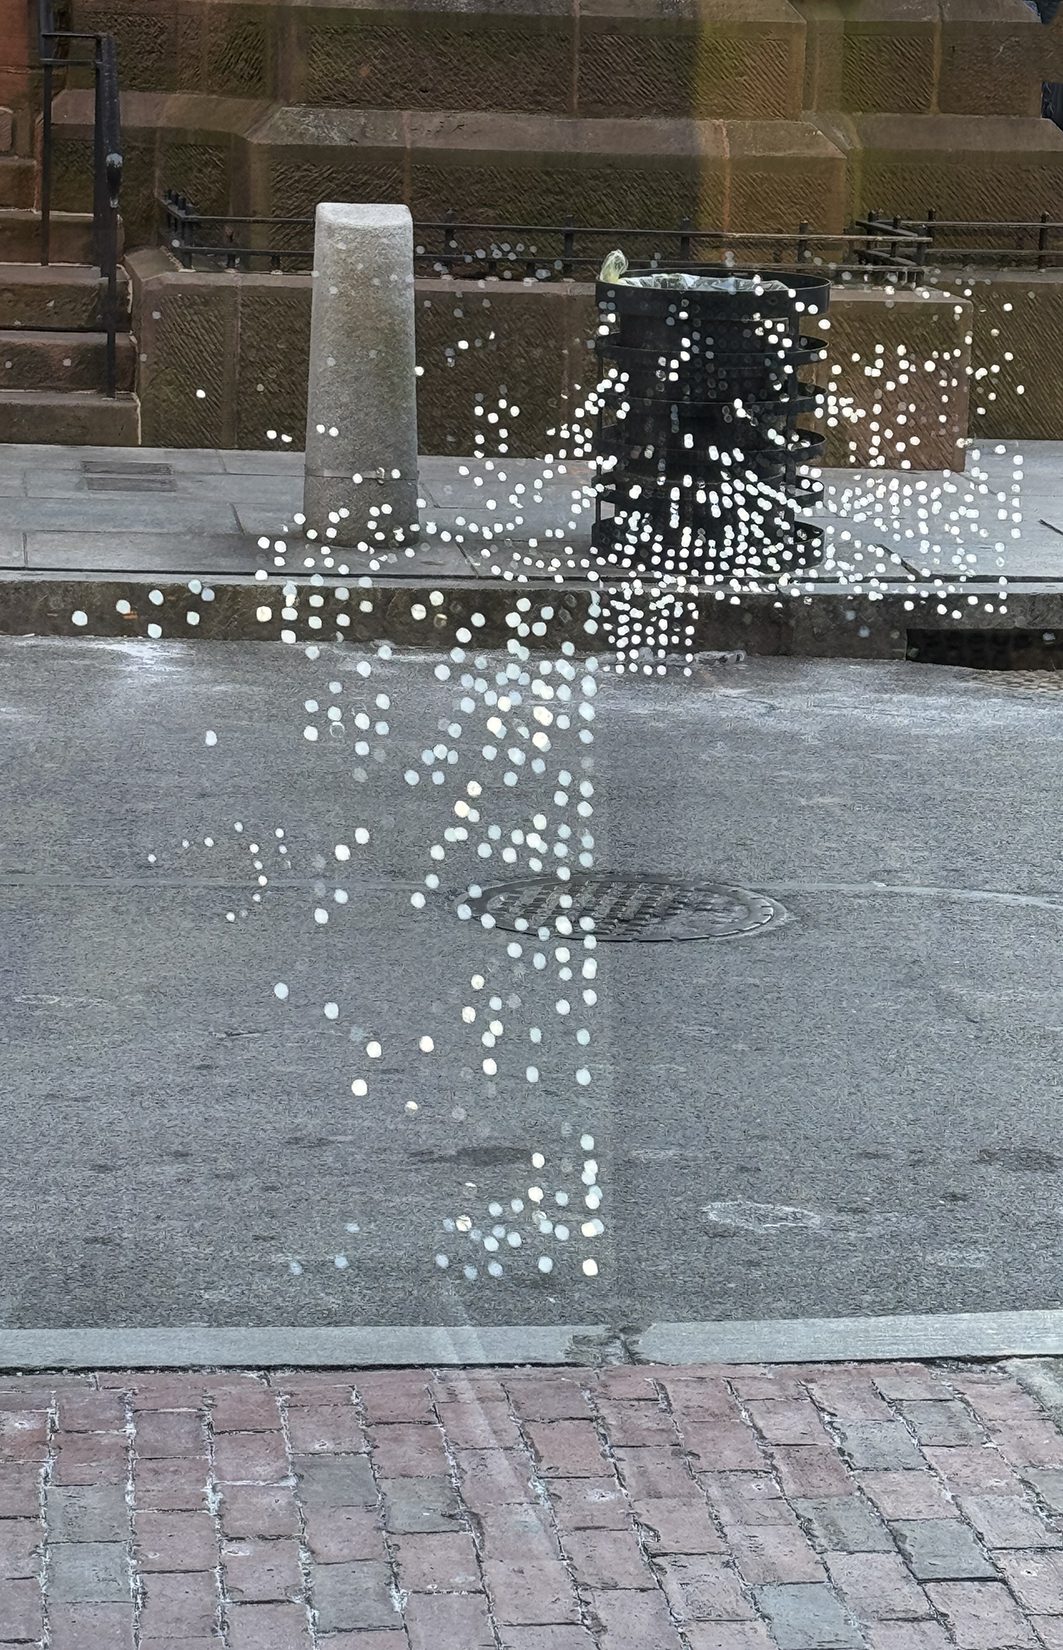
(1042, 241)
(113, 179)
(98, 179)
(46, 156)
(927, 241)
(450, 238)
(568, 248)
(183, 224)
(109, 166)
(193, 228)
(106, 166)
(110, 343)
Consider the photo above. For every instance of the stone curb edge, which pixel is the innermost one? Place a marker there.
(964, 1335)
(832, 622)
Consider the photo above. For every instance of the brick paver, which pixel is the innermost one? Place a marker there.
(857, 1507)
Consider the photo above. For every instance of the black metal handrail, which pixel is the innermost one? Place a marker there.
(53, 46)
(539, 252)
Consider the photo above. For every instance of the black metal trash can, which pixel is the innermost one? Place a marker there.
(700, 460)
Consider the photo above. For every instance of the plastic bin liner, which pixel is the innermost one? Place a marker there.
(614, 273)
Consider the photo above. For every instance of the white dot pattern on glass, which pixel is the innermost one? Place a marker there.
(511, 759)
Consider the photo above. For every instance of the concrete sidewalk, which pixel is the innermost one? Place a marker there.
(98, 538)
(178, 510)
(840, 1507)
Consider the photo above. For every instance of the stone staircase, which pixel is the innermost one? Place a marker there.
(52, 345)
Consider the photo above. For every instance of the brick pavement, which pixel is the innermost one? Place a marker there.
(888, 1507)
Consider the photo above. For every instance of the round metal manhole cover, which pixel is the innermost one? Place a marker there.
(624, 909)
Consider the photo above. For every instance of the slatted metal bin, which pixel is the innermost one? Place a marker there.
(701, 464)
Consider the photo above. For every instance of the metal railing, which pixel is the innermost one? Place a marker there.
(875, 247)
(53, 46)
(568, 251)
(539, 252)
(1005, 243)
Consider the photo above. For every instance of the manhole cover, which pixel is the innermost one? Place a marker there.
(625, 909)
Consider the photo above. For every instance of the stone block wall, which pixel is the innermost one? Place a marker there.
(535, 169)
(1016, 389)
(205, 47)
(700, 59)
(200, 139)
(243, 340)
(950, 57)
(898, 375)
(713, 60)
(228, 156)
(17, 77)
(736, 114)
(994, 167)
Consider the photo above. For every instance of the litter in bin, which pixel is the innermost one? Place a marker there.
(614, 273)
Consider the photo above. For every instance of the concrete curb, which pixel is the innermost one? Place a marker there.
(831, 1340)
(830, 622)
(355, 1348)
(771, 1341)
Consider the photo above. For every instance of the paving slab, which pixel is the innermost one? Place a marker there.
(18, 455)
(447, 1578)
(183, 486)
(276, 461)
(520, 515)
(152, 553)
(12, 548)
(120, 513)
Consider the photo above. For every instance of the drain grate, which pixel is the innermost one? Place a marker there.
(1046, 684)
(127, 476)
(1030, 652)
(624, 909)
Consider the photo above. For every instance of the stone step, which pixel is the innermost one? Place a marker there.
(63, 360)
(20, 236)
(73, 418)
(64, 296)
(18, 180)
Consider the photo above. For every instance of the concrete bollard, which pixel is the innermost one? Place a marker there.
(362, 379)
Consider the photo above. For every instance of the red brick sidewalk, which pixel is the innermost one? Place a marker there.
(895, 1507)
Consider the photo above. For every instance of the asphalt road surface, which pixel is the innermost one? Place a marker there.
(855, 1109)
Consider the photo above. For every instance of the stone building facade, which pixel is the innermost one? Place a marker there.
(732, 115)
(736, 114)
